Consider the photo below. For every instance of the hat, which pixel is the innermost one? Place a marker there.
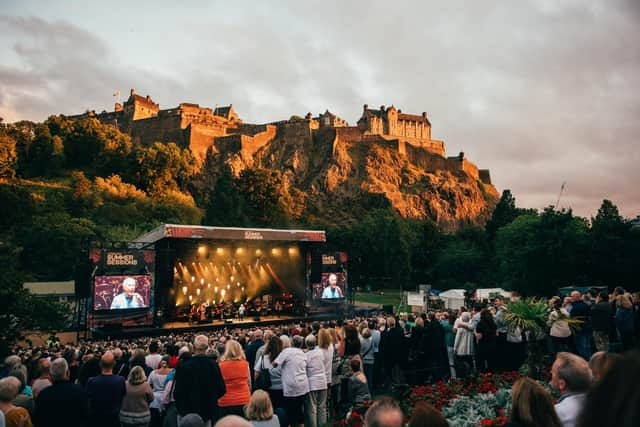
(191, 420)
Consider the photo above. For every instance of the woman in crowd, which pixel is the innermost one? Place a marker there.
(358, 390)
(157, 381)
(463, 345)
(624, 320)
(336, 368)
(531, 406)
(14, 416)
(259, 411)
(366, 347)
(559, 327)
(326, 345)
(24, 399)
(274, 347)
(135, 405)
(486, 334)
(449, 337)
(426, 415)
(235, 373)
(349, 347)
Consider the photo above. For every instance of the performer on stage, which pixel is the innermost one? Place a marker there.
(241, 311)
(128, 298)
(332, 291)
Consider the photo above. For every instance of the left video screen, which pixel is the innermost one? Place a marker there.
(121, 292)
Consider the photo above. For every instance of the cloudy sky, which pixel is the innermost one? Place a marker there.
(540, 92)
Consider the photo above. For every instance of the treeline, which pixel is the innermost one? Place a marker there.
(65, 183)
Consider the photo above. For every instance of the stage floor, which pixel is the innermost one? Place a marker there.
(235, 322)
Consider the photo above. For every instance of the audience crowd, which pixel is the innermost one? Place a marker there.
(313, 373)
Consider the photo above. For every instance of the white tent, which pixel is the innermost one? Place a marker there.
(453, 298)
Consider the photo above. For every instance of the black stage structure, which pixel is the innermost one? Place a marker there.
(202, 277)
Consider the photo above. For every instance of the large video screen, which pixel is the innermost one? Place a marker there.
(331, 286)
(121, 292)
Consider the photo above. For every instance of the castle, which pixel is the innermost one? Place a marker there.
(204, 130)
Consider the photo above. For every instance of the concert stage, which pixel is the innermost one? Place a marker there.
(180, 277)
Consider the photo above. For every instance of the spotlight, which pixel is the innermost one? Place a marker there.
(184, 290)
(228, 286)
(215, 289)
(193, 279)
(202, 281)
(239, 251)
(231, 278)
(258, 252)
(293, 251)
(275, 251)
(190, 297)
(220, 251)
(208, 285)
(223, 292)
(238, 284)
(243, 289)
(198, 291)
(202, 250)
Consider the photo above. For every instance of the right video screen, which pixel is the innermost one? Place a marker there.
(331, 286)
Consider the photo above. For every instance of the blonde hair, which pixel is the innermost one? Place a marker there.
(532, 405)
(259, 407)
(137, 376)
(233, 351)
(419, 321)
(324, 338)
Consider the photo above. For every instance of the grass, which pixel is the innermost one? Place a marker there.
(380, 297)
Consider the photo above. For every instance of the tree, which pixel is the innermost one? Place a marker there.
(262, 190)
(8, 154)
(504, 213)
(164, 167)
(46, 153)
(462, 258)
(21, 311)
(225, 206)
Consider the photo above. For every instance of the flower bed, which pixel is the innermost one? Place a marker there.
(483, 401)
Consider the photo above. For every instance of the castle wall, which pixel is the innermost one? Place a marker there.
(200, 137)
(163, 129)
(485, 176)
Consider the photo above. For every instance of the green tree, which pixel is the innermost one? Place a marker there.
(225, 205)
(504, 213)
(8, 154)
(46, 153)
(263, 192)
(463, 258)
(164, 167)
(21, 311)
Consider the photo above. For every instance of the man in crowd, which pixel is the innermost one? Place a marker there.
(62, 404)
(384, 412)
(268, 335)
(199, 384)
(252, 349)
(571, 376)
(391, 344)
(44, 377)
(105, 393)
(153, 359)
(581, 311)
(601, 321)
(315, 406)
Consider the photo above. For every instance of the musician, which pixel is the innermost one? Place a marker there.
(193, 314)
(128, 298)
(332, 291)
(241, 311)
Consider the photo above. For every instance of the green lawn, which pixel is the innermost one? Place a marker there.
(381, 297)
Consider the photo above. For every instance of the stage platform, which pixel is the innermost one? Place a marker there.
(218, 324)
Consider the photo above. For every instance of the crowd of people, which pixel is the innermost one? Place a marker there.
(312, 373)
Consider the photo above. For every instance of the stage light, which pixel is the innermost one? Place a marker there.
(190, 297)
(238, 284)
(217, 279)
(293, 251)
(239, 251)
(258, 252)
(220, 251)
(198, 291)
(275, 251)
(228, 286)
(208, 285)
(202, 250)
(243, 289)
(184, 290)
(193, 279)
(215, 289)
(202, 281)
(231, 278)
(222, 293)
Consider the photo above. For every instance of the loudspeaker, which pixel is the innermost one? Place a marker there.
(388, 308)
(316, 266)
(82, 278)
(228, 321)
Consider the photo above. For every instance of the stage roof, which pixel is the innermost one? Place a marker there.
(174, 231)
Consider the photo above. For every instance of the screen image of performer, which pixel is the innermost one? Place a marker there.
(128, 298)
(332, 291)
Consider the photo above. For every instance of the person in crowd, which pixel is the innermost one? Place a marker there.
(367, 349)
(600, 363)
(624, 320)
(559, 329)
(326, 346)
(418, 357)
(349, 347)
(263, 366)
(614, 401)
(502, 357)
(426, 415)
(449, 337)
(436, 348)
(582, 312)
(14, 416)
(191, 420)
(531, 406)
(259, 411)
(233, 421)
(315, 404)
(237, 380)
(571, 377)
(105, 393)
(152, 360)
(134, 411)
(384, 412)
(138, 359)
(121, 367)
(486, 336)
(267, 336)
(62, 404)
(89, 369)
(198, 384)
(293, 363)
(601, 319)
(10, 362)
(358, 390)
(332, 290)
(44, 377)
(463, 345)
(157, 380)
(375, 336)
(128, 298)
(392, 344)
(252, 349)
(24, 399)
